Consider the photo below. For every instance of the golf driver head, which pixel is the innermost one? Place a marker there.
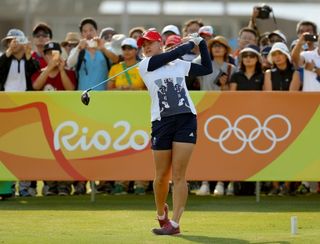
(85, 98)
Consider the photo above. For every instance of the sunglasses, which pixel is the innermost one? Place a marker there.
(127, 48)
(217, 45)
(248, 55)
(72, 44)
(41, 35)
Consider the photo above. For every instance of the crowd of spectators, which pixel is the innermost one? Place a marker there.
(261, 61)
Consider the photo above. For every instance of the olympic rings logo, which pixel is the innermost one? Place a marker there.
(241, 135)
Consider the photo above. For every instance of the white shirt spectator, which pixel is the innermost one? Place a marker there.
(310, 82)
(16, 80)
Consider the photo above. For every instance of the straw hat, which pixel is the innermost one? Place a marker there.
(222, 40)
(71, 38)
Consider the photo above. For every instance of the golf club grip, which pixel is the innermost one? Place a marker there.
(110, 78)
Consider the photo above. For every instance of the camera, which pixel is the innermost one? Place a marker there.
(310, 38)
(217, 80)
(92, 43)
(264, 11)
(55, 54)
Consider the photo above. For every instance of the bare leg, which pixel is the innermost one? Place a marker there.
(181, 153)
(162, 159)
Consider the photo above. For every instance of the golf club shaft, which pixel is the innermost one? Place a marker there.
(110, 78)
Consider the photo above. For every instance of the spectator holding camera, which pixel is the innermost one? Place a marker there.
(305, 27)
(309, 60)
(259, 12)
(54, 76)
(90, 58)
(218, 80)
(16, 64)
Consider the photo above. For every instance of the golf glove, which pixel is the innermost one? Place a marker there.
(195, 38)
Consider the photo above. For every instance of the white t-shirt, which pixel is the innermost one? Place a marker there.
(16, 80)
(167, 88)
(310, 82)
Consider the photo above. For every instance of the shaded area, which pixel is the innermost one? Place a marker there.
(208, 239)
(310, 203)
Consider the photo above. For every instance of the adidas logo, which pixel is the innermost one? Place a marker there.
(191, 134)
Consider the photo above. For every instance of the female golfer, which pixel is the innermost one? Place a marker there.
(174, 122)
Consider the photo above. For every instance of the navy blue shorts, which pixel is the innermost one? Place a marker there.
(176, 128)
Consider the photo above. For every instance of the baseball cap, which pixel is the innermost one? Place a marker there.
(71, 38)
(253, 49)
(150, 35)
(173, 40)
(129, 42)
(51, 46)
(15, 34)
(90, 21)
(44, 27)
(170, 28)
(281, 47)
(206, 30)
(265, 51)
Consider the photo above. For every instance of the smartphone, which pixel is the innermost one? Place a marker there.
(311, 38)
(92, 43)
(217, 80)
(55, 55)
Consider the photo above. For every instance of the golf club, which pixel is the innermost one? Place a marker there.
(85, 97)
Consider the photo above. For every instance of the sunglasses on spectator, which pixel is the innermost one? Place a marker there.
(127, 48)
(248, 55)
(72, 44)
(44, 35)
(217, 45)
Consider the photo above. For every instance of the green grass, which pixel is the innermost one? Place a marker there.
(129, 219)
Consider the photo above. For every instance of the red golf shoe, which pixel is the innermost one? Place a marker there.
(162, 222)
(166, 229)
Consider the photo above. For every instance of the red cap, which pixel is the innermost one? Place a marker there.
(173, 40)
(150, 35)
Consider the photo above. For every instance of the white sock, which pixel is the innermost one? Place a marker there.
(174, 224)
(162, 217)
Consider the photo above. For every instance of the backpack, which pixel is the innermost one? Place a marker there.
(81, 59)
